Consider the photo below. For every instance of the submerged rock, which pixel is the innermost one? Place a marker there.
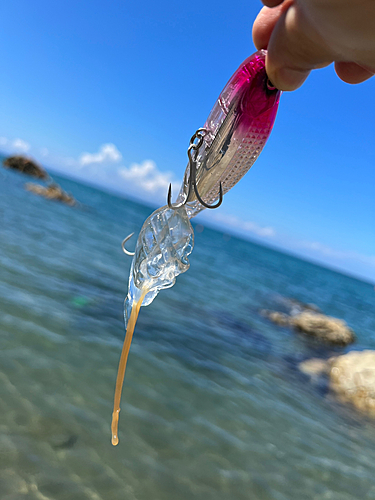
(325, 328)
(314, 367)
(310, 321)
(276, 317)
(66, 442)
(51, 192)
(25, 166)
(352, 378)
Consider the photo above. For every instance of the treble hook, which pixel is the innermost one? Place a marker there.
(199, 134)
(123, 245)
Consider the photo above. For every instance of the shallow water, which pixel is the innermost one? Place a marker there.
(213, 404)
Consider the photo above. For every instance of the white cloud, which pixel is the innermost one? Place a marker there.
(323, 249)
(147, 177)
(142, 179)
(327, 251)
(20, 145)
(267, 231)
(108, 153)
(44, 152)
(248, 226)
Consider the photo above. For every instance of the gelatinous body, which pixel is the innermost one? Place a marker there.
(161, 254)
(233, 137)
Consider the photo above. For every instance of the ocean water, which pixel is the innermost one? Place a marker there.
(213, 405)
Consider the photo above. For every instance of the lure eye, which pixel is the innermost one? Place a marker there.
(269, 87)
(269, 84)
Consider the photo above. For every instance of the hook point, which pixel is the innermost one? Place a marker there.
(206, 205)
(123, 245)
(169, 197)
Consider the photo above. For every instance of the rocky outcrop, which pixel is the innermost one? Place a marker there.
(25, 166)
(323, 328)
(314, 367)
(351, 377)
(51, 192)
(276, 317)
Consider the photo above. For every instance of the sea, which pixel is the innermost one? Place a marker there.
(214, 406)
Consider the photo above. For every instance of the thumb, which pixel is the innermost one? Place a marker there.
(294, 49)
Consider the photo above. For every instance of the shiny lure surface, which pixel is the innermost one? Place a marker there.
(234, 134)
(219, 154)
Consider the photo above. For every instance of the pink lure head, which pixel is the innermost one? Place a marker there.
(250, 90)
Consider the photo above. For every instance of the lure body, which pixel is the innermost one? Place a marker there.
(236, 131)
(234, 135)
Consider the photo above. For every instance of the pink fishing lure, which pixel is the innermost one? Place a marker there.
(236, 131)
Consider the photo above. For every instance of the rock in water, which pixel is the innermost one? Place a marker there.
(314, 367)
(276, 317)
(51, 192)
(325, 328)
(26, 166)
(352, 378)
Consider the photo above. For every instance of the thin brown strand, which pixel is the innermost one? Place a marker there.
(122, 366)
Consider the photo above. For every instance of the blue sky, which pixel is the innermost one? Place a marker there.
(111, 92)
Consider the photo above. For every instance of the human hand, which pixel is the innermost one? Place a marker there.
(302, 35)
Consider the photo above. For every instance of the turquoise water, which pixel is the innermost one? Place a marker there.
(213, 406)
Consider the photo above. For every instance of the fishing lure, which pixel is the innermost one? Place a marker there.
(220, 153)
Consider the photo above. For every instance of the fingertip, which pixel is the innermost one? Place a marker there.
(292, 50)
(265, 23)
(352, 73)
(262, 28)
(286, 79)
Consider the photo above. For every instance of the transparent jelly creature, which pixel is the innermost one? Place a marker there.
(161, 254)
(219, 155)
